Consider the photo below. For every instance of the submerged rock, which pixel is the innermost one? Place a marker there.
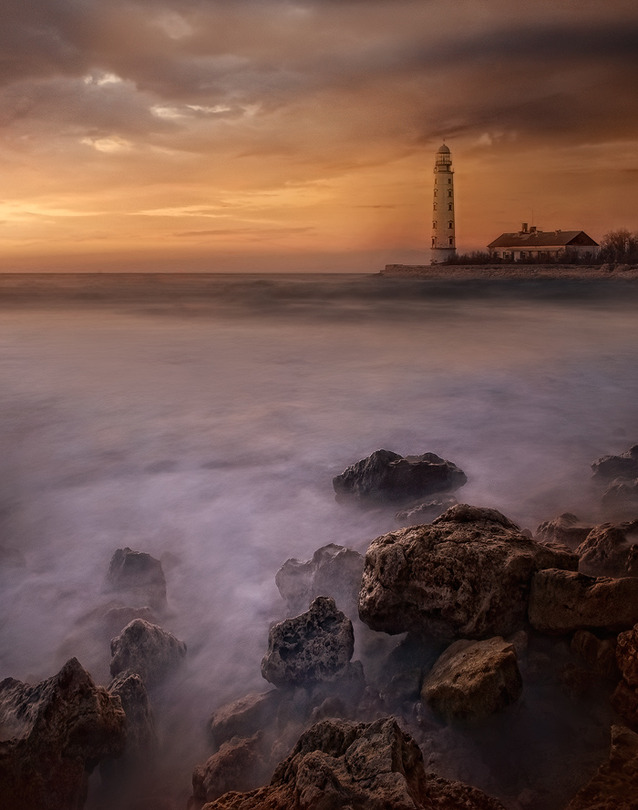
(388, 477)
(566, 601)
(333, 571)
(147, 650)
(608, 548)
(466, 575)
(565, 529)
(356, 766)
(473, 679)
(614, 786)
(313, 647)
(53, 735)
(623, 466)
(138, 576)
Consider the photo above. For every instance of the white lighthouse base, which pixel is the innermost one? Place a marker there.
(440, 255)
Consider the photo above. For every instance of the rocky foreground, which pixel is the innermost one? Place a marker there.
(474, 640)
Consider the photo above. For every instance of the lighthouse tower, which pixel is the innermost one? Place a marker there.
(443, 222)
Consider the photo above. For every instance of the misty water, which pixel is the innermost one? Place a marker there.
(202, 422)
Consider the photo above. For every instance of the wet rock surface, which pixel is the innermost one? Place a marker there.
(385, 476)
(137, 577)
(53, 735)
(615, 785)
(147, 650)
(465, 575)
(308, 649)
(565, 529)
(609, 549)
(473, 679)
(333, 571)
(339, 764)
(566, 601)
(610, 467)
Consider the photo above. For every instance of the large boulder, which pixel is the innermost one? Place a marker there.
(148, 650)
(238, 765)
(473, 679)
(141, 737)
(388, 477)
(138, 577)
(608, 549)
(465, 575)
(614, 785)
(623, 466)
(245, 716)
(565, 601)
(53, 735)
(356, 766)
(308, 649)
(333, 571)
(566, 529)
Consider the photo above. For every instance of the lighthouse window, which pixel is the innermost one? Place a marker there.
(434, 224)
(435, 206)
(449, 181)
(449, 194)
(451, 241)
(435, 193)
(450, 224)
(449, 208)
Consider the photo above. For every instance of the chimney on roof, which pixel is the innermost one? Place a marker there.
(524, 227)
(532, 228)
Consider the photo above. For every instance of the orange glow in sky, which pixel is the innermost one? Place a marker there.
(180, 135)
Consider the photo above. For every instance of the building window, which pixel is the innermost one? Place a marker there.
(451, 241)
(449, 194)
(435, 206)
(449, 207)
(449, 181)
(434, 225)
(450, 224)
(435, 193)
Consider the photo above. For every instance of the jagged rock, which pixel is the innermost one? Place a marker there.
(356, 766)
(566, 601)
(426, 511)
(141, 737)
(313, 647)
(138, 576)
(238, 765)
(147, 650)
(467, 574)
(333, 571)
(627, 655)
(606, 549)
(473, 679)
(623, 466)
(614, 786)
(245, 716)
(387, 476)
(566, 529)
(53, 735)
(599, 654)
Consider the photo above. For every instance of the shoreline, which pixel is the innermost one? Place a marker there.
(478, 272)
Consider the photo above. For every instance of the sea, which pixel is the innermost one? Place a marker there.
(201, 419)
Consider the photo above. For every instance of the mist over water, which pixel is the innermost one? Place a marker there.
(203, 421)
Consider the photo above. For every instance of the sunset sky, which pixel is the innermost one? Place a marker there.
(300, 134)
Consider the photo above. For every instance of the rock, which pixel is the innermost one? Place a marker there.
(141, 737)
(624, 701)
(238, 765)
(333, 571)
(598, 654)
(627, 655)
(614, 786)
(341, 764)
(147, 650)
(245, 716)
(473, 679)
(621, 496)
(313, 647)
(388, 477)
(467, 574)
(565, 529)
(623, 466)
(139, 577)
(606, 549)
(425, 511)
(53, 735)
(566, 601)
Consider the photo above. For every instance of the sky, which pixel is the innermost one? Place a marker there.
(299, 135)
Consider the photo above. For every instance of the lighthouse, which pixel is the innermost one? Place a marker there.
(443, 222)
